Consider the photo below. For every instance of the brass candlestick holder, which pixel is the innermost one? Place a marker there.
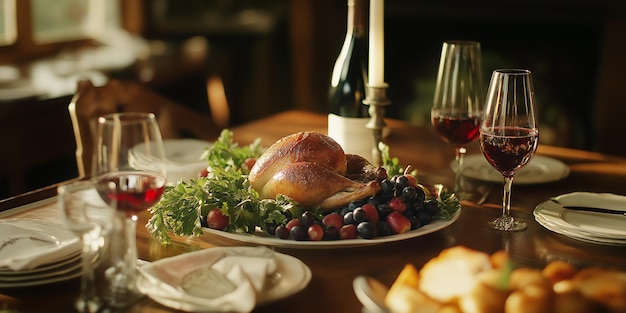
(377, 100)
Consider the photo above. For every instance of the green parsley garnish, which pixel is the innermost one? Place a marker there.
(447, 202)
(226, 187)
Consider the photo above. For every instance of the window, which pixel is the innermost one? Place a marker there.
(65, 20)
(34, 28)
(71, 19)
(8, 29)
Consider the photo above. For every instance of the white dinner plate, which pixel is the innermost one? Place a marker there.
(540, 169)
(592, 226)
(65, 269)
(589, 238)
(294, 276)
(43, 281)
(185, 151)
(185, 158)
(72, 258)
(261, 238)
(29, 243)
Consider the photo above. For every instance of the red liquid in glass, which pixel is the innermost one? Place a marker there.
(134, 191)
(508, 149)
(457, 129)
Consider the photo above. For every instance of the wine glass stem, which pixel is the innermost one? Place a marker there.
(131, 251)
(458, 184)
(88, 301)
(506, 197)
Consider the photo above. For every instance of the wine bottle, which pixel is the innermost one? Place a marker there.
(348, 115)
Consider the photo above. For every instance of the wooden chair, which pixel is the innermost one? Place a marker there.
(90, 102)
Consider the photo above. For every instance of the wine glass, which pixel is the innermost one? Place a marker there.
(129, 155)
(89, 217)
(458, 101)
(509, 134)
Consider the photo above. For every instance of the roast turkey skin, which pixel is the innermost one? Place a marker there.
(311, 168)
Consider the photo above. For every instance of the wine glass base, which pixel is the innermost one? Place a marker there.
(124, 299)
(88, 305)
(122, 290)
(507, 223)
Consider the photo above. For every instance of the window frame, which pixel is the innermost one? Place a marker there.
(24, 48)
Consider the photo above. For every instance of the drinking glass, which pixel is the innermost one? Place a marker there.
(509, 134)
(129, 155)
(458, 102)
(90, 218)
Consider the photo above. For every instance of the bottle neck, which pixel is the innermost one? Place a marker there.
(357, 15)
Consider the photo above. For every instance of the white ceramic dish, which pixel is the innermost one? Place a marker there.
(63, 270)
(185, 158)
(294, 276)
(43, 281)
(29, 243)
(185, 151)
(583, 225)
(46, 268)
(541, 169)
(578, 235)
(263, 239)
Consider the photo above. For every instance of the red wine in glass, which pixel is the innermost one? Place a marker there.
(509, 134)
(133, 191)
(509, 149)
(458, 129)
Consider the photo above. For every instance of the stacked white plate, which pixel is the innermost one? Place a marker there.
(37, 252)
(585, 225)
(185, 158)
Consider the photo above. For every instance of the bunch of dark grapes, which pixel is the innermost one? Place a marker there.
(401, 206)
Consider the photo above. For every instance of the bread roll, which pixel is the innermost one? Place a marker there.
(568, 299)
(452, 273)
(462, 280)
(557, 271)
(605, 286)
(486, 296)
(404, 295)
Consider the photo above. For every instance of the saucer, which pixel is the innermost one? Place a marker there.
(540, 169)
(290, 273)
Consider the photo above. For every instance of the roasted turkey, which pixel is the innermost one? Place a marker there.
(312, 169)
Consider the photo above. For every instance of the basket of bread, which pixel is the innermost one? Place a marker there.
(460, 279)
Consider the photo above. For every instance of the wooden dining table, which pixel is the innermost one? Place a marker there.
(334, 269)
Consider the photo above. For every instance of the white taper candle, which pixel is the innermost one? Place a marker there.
(376, 64)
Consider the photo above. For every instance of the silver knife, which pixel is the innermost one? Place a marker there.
(597, 210)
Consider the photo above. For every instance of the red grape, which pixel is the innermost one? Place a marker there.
(333, 219)
(315, 232)
(348, 232)
(248, 164)
(371, 212)
(397, 204)
(216, 219)
(398, 222)
(292, 223)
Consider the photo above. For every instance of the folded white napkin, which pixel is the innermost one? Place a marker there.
(593, 200)
(217, 280)
(27, 244)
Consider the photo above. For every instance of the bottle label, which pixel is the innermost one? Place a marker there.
(352, 134)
